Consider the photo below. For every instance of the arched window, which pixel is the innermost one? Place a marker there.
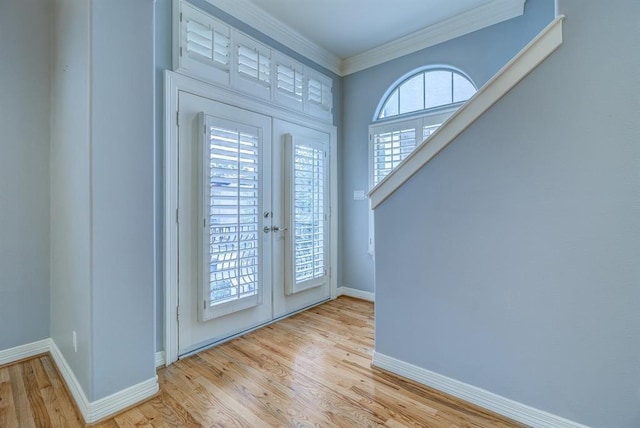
(411, 110)
(426, 90)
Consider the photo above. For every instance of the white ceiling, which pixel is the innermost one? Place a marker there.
(350, 27)
(347, 36)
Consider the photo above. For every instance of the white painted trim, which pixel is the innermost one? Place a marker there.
(175, 82)
(160, 359)
(252, 15)
(121, 400)
(11, 355)
(466, 22)
(543, 45)
(483, 398)
(94, 411)
(358, 294)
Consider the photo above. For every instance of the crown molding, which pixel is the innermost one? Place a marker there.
(466, 22)
(488, 14)
(251, 15)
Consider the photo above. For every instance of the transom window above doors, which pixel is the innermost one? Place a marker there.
(213, 51)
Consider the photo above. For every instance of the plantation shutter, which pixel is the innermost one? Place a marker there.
(305, 199)
(319, 96)
(254, 65)
(207, 42)
(205, 45)
(231, 244)
(390, 148)
(316, 92)
(289, 81)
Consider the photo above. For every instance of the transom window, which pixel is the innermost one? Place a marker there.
(427, 90)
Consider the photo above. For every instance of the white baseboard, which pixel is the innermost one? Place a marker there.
(488, 400)
(91, 411)
(11, 355)
(358, 294)
(160, 360)
(94, 411)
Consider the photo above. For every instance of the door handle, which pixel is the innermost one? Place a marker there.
(268, 229)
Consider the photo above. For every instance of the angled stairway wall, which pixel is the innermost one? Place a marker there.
(510, 261)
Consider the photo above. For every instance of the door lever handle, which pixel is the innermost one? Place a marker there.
(274, 229)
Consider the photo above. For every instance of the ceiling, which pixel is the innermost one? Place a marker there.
(346, 36)
(350, 27)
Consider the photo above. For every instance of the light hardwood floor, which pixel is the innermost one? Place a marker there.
(312, 369)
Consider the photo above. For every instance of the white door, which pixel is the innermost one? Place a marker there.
(301, 195)
(224, 228)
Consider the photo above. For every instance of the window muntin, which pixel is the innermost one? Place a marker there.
(426, 90)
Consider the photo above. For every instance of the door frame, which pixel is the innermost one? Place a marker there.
(173, 84)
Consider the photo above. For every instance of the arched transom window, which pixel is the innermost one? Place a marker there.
(427, 90)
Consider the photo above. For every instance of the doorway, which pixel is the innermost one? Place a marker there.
(253, 221)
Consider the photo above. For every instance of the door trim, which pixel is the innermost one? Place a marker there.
(173, 84)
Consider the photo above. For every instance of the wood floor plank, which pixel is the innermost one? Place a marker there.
(22, 405)
(310, 370)
(36, 402)
(8, 416)
(58, 399)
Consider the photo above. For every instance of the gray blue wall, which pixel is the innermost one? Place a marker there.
(102, 208)
(480, 54)
(122, 203)
(510, 261)
(24, 171)
(71, 186)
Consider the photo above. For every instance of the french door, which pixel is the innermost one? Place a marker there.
(301, 159)
(252, 220)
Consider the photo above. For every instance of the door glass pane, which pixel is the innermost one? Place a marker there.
(308, 213)
(233, 182)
